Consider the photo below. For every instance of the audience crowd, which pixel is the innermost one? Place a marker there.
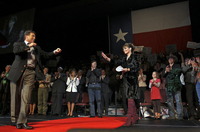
(177, 73)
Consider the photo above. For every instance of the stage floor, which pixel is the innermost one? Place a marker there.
(143, 125)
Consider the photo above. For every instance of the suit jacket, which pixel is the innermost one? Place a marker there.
(21, 55)
(59, 84)
(81, 86)
(105, 85)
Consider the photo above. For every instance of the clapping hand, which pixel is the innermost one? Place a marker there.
(126, 69)
(167, 69)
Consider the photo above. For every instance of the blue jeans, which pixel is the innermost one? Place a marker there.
(94, 94)
(179, 106)
(198, 90)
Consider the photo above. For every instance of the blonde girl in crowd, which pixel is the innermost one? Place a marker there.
(154, 84)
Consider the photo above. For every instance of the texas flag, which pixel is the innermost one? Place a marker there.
(156, 27)
(120, 32)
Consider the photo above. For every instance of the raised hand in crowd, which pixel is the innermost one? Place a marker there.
(105, 56)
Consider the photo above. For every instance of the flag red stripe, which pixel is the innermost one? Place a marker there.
(159, 39)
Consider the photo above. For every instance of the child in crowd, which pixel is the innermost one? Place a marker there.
(154, 84)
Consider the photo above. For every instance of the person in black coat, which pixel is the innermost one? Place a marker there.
(94, 89)
(130, 68)
(105, 91)
(81, 86)
(26, 68)
(58, 90)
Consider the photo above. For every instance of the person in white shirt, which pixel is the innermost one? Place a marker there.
(142, 84)
(71, 95)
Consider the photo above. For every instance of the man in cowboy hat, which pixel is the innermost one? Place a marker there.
(173, 85)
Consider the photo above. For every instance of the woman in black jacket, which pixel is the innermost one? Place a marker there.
(130, 68)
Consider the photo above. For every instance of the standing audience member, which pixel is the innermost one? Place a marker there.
(81, 86)
(114, 85)
(71, 95)
(142, 84)
(154, 84)
(43, 92)
(198, 91)
(197, 69)
(173, 84)
(189, 78)
(94, 89)
(58, 91)
(105, 91)
(33, 101)
(4, 91)
(160, 67)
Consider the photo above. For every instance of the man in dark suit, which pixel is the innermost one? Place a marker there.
(58, 89)
(105, 91)
(25, 69)
(81, 87)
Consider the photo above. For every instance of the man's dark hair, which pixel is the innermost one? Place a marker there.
(93, 61)
(28, 32)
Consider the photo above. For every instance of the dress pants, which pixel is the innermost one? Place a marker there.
(105, 102)
(21, 95)
(13, 86)
(192, 99)
(42, 100)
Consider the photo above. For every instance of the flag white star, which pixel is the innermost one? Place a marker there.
(120, 35)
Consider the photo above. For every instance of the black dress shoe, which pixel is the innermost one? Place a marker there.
(26, 126)
(19, 126)
(92, 116)
(100, 116)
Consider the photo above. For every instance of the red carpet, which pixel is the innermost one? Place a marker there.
(63, 125)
